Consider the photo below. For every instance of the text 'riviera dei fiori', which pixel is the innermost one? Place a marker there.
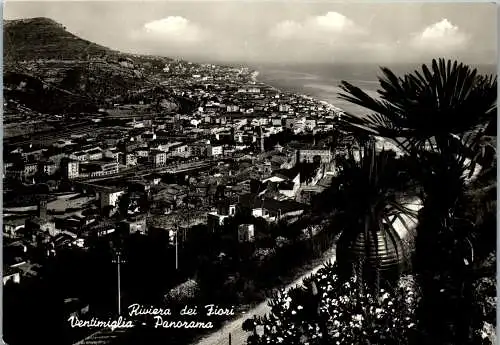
(159, 313)
(209, 309)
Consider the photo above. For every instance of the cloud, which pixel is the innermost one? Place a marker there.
(334, 37)
(173, 29)
(328, 37)
(327, 27)
(335, 22)
(440, 36)
(285, 30)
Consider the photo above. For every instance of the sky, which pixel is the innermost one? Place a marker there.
(279, 31)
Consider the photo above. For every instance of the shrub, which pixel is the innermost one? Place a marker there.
(337, 312)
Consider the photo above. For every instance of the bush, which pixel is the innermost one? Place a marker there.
(335, 312)
(183, 292)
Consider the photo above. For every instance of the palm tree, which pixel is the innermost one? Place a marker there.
(448, 108)
(372, 193)
(440, 117)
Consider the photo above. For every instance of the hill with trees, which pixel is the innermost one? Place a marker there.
(43, 61)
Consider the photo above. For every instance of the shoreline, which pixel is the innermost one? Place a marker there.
(331, 107)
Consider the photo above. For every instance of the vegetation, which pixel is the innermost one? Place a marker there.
(330, 310)
(51, 71)
(42, 33)
(439, 117)
(244, 275)
(442, 119)
(240, 273)
(37, 95)
(372, 192)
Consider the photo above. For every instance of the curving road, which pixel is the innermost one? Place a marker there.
(238, 336)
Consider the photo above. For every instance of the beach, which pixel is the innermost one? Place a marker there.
(321, 81)
(321, 86)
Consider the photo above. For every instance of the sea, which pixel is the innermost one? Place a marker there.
(321, 81)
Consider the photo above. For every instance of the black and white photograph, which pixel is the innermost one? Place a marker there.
(249, 173)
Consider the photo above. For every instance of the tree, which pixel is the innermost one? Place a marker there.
(439, 117)
(317, 161)
(371, 193)
(144, 202)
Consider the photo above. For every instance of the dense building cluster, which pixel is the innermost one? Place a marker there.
(244, 146)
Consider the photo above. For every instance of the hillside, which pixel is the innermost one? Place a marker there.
(50, 70)
(30, 39)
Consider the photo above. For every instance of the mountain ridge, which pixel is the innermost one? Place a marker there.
(47, 67)
(47, 39)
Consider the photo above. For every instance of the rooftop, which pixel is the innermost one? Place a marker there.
(254, 201)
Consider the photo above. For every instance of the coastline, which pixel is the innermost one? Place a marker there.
(331, 107)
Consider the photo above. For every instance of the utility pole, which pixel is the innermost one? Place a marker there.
(177, 248)
(261, 140)
(188, 224)
(118, 262)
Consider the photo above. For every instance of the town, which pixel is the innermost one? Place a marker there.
(241, 132)
(140, 169)
(248, 174)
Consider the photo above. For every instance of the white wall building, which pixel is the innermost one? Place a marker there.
(110, 198)
(215, 150)
(73, 169)
(246, 233)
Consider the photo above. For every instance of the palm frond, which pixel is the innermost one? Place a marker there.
(371, 182)
(445, 98)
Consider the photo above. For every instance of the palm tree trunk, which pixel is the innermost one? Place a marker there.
(466, 306)
(437, 270)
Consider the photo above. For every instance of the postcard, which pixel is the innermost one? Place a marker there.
(249, 173)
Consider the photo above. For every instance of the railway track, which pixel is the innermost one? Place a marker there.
(174, 169)
(50, 137)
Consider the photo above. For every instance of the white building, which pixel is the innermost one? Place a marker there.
(73, 169)
(62, 143)
(110, 198)
(158, 157)
(80, 156)
(246, 233)
(95, 154)
(308, 155)
(130, 159)
(215, 150)
(112, 153)
(179, 150)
